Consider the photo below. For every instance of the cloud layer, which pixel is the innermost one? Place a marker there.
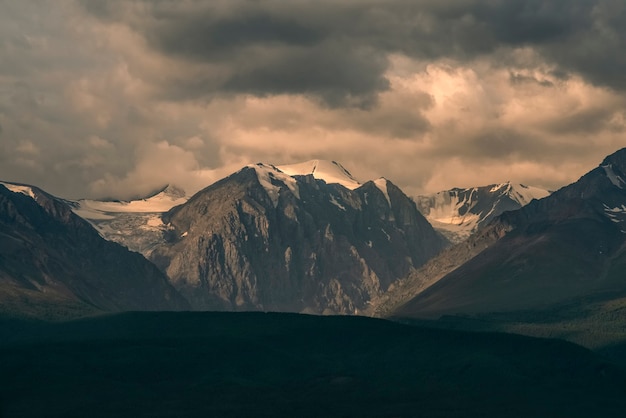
(116, 98)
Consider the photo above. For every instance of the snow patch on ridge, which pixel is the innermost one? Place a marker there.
(520, 193)
(500, 186)
(159, 203)
(524, 194)
(616, 214)
(266, 173)
(381, 183)
(336, 203)
(330, 171)
(136, 224)
(19, 188)
(458, 212)
(615, 179)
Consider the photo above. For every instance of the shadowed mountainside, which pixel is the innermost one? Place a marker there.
(564, 247)
(53, 263)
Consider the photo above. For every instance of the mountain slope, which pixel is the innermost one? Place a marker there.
(52, 259)
(135, 224)
(261, 239)
(457, 213)
(568, 246)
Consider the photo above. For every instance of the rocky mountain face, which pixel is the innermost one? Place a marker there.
(261, 239)
(457, 213)
(51, 259)
(567, 247)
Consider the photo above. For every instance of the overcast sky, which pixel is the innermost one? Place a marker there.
(116, 98)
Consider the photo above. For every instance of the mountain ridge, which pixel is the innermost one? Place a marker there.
(296, 243)
(567, 246)
(458, 212)
(50, 256)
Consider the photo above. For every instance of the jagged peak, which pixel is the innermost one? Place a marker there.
(382, 183)
(331, 172)
(174, 191)
(618, 159)
(614, 177)
(34, 192)
(519, 192)
(499, 187)
(24, 189)
(614, 167)
(169, 190)
(458, 211)
(268, 174)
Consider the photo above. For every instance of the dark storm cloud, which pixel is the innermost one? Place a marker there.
(497, 143)
(524, 79)
(330, 71)
(117, 97)
(215, 40)
(338, 50)
(587, 121)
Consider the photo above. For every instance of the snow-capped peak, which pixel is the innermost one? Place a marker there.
(266, 173)
(498, 187)
(381, 183)
(459, 212)
(172, 191)
(518, 192)
(524, 194)
(162, 201)
(329, 171)
(19, 188)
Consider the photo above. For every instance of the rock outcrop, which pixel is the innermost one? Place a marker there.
(263, 240)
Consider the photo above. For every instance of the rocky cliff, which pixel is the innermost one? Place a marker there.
(264, 240)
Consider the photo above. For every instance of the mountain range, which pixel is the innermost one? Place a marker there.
(53, 263)
(457, 213)
(310, 238)
(556, 258)
(300, 238)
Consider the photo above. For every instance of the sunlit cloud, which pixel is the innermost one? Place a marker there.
(101, 96)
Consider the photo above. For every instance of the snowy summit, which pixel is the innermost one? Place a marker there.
(459, 212)
(329, 171)
(160, 202)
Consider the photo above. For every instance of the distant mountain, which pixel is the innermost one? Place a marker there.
(262, 239)
(52, 261)
(331, 172)
(557, 251)
(457, 213)
(135, 224)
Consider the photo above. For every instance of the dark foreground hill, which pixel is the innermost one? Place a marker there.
(269, 365)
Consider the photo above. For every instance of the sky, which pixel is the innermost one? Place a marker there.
(117, 98)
